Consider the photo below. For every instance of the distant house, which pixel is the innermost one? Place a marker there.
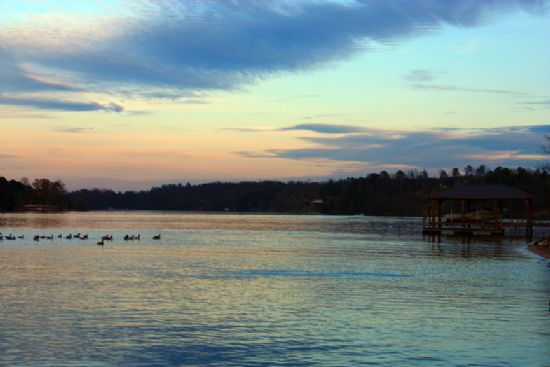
(477, 209)
(39, 208)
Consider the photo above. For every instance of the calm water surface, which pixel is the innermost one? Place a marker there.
(265, 290)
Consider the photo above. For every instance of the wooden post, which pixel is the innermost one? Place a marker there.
(469, 210)
(424, 221)
(439, 202)
(434, 204)
(497, 214)
(530, 216)
(463, 211)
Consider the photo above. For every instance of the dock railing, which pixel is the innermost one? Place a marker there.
(433, 223)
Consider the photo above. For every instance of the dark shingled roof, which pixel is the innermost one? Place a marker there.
(484, 192)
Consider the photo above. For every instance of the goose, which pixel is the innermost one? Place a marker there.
(50, 237)
(85, 237)
(60, 236)
(100, 243)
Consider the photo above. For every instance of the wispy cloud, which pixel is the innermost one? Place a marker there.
(8, 156)
(58, 104)
(188, 46)
(194, 101)
(515, 145)
(243, 129)
(541, 103)
(14, 77)
(296, 98)
(429, 80)
(322, 116)
(506, 155)
(73, 130)
(20, 115)
(454, 88)
(325, 128)
(421, 76)
(263, 154)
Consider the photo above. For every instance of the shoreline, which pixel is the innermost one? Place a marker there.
(541, 247)
(540, 250)
(216, 212)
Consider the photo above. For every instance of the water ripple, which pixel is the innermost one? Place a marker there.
(232, 290)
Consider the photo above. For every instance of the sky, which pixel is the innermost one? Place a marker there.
(130, 94)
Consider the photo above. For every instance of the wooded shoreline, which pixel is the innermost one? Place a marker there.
(541, 247)
(397, 194)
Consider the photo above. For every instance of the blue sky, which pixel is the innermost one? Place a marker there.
(127, 94)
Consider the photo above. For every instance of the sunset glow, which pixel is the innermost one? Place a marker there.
(129, 94)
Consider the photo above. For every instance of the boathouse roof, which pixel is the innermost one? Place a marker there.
(484, 192)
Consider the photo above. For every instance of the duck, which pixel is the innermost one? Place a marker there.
(21, 236)
(101, 243)
(157, 237)
(69, 236)
(36, 238)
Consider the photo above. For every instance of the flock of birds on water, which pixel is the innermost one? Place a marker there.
(79, 236)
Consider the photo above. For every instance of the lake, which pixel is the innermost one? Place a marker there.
(265, 290)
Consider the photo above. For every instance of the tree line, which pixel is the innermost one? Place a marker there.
(14, 195)
(401, 193)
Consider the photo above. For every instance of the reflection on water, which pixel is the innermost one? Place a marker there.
(266, 290)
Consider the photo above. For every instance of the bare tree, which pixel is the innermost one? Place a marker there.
(50, 192)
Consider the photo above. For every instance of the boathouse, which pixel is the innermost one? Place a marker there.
(480, 209)
(39, 208)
